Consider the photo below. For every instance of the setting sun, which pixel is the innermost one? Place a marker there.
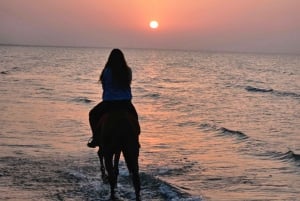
(153, 24)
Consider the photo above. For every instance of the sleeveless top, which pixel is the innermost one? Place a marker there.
(112, 92)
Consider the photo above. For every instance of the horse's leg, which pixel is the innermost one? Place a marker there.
(116, 162)
(133, 167)
(108, 159)
(136, 182)
(102, 168)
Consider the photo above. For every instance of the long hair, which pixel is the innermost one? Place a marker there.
(121, 73)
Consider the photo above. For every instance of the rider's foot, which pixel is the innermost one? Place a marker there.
(92, 143)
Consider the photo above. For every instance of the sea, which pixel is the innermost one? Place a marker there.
(216, 126)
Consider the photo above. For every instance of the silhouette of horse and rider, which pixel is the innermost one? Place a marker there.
(114, 123)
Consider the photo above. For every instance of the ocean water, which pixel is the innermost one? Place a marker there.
(215, 126)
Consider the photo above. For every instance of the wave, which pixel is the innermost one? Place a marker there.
(290, 155)
(156, 188)
(153, 187)
(255, 89)
(253, 146)
(224, 131)
(152, 95)
(80, 180)
(238, 134)
(82, 100)
(286, 93)
(5, 72)
(275, 92)
(207, 127)
(187, 123)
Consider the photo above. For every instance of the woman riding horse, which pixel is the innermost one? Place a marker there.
(116, 84)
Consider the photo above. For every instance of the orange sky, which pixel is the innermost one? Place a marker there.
(233, 25)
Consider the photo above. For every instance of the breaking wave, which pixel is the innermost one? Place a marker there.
(289, 155)
(238, 134)
(252, 146)
(81, 180)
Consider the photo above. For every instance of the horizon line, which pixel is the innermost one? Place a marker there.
(144, 48)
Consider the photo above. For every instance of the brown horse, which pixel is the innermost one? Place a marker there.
(120, 133)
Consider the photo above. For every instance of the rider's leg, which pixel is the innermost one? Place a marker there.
(94, 117)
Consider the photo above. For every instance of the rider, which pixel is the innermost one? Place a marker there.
(116, 80)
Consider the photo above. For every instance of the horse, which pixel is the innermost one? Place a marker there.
(120, 133)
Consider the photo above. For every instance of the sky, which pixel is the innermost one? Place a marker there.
(213, 25)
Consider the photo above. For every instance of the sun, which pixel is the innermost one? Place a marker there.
(153, 24)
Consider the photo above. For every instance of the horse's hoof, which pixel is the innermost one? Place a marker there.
(113, 197)
(138, 198)
(105, 179)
